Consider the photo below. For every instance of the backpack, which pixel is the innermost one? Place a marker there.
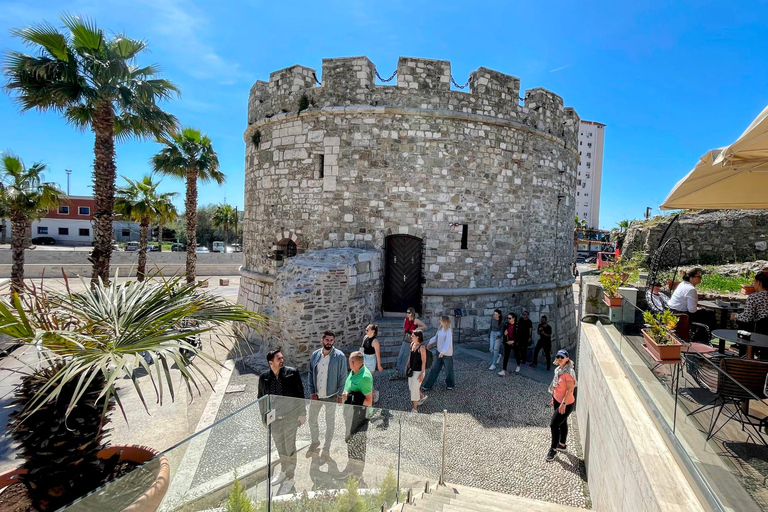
(429, 359)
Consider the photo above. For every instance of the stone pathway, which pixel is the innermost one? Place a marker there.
(498, 435)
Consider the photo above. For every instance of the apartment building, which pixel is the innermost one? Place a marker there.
(589, 172)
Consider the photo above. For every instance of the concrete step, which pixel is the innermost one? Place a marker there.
(461, 498)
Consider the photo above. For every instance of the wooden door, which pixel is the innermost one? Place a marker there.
(402, 275)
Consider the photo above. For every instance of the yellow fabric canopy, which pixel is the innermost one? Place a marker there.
(731, 178)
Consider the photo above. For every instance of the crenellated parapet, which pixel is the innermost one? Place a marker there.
(421, 84)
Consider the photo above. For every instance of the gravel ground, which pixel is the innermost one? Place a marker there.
(497, 435)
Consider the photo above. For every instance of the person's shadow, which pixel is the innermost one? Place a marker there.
(331, 478)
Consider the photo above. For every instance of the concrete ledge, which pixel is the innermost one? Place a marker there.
(456, 292)
(629, 465)
(264, 278)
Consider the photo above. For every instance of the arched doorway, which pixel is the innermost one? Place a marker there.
(402, 273)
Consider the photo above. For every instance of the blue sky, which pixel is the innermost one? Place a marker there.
(669, 79)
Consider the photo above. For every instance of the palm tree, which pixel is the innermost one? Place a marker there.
(224, 217)
(166, 213)
(623, 225)
(90, 343)
(189, 155)
(24, 198)
(140, 202)
(94, 82)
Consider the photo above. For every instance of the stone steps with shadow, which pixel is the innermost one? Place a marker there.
(457, 498)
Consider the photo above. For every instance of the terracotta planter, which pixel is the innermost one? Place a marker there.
(147, 502)
(671, 285)
(663, 352)
(747, 289)
(612, 302)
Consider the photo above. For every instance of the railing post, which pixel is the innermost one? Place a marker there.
(410, 496)
(445, 429)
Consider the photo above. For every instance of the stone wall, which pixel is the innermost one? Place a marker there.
(707, 237)
(349, 163)
(336, 289)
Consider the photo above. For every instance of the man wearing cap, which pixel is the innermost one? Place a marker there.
(522, 340)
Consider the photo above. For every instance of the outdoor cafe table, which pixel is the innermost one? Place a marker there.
(756, 340)
(722, 311)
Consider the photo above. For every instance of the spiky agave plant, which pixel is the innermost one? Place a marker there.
(88, 340)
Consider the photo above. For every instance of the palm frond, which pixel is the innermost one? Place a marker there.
(45, 35)
(87, 38)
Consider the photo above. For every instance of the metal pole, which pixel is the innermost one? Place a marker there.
(69, 172)
(445, 429)
(269, 458)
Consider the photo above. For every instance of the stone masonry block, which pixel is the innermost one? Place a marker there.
(423, 74)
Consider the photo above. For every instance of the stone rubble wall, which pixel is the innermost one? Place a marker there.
(336, 289)
(366, 161)
(707, 237)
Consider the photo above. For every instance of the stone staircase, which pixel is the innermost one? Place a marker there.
(390, 339)
(457, 498)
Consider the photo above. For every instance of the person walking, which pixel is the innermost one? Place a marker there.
(523, 337)
(444, 341)
(327, 376)
(563, 391)
(371, 350)
(417, 365)
(544, 330)
(494, 338)
(281, 380)
(508, 332)
(358, 392)
(411, 324)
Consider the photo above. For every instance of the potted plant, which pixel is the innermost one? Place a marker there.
(88, 342)
(658, 337)
(611, 282)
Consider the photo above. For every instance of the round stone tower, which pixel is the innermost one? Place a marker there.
(365, 199)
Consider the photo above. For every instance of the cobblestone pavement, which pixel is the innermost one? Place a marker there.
(497, 435)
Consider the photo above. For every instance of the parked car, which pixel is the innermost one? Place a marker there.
(202, 249)
(236, 248)
(132, 246)
(591, 259)
(115, 247)
(580, 259)
(43, 240)
(219, 247)
(153, 248)
(177, 247)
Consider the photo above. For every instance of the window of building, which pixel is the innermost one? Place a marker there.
(319, 166)
(126, 232)
(579, 153)
(83, 210)
(578, 193)
(589, 164)
(63, 231)
(85, 232)
(589, 144)
(586, 194)
(589, 155)
(587, 175)
(464, 236)
(63, 210)
(42, 230)
(580, 143)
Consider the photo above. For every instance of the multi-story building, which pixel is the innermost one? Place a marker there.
(72, 223)
(590, 172)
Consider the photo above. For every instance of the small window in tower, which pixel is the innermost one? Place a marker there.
(464, 235)
(319, 166)
(286, 249)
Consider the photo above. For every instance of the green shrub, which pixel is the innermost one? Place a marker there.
(238, 501)
(351, 500)
(388, 489)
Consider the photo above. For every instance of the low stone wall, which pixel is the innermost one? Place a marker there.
(707, 237)
(42, 257)
(629, 465)
(336, 289)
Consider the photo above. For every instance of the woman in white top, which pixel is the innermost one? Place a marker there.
(444, 341)
(685, 299)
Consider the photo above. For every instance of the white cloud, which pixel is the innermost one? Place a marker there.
(181, 28)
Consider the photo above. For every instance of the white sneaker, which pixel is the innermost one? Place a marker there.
(502, 373)
(517, 370)
(376, 395)
(493, 367)
(424, 399)
(278, 479)
(414, 411)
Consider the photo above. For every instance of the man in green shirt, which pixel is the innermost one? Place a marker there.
(358, 393)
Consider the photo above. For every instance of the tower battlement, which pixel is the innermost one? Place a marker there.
(419, 83)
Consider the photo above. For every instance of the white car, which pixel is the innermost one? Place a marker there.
(201, 248)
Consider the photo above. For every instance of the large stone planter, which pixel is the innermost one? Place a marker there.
(149, 501)
(669, 352)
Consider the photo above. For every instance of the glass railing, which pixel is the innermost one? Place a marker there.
(712, 411)
(369, 457)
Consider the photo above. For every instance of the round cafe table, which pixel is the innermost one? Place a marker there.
(755, 341)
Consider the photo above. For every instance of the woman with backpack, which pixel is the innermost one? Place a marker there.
(417, 366)
(444, 341)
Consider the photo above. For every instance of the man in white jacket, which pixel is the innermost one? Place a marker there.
(444, 341)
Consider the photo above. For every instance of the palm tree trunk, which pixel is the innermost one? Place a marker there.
(143, 232)
(226, 236)
(160, 235)
(4, 235)
(104, 171)
(18, 236)
(190, 204)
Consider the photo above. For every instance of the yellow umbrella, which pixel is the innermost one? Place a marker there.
(731, 178)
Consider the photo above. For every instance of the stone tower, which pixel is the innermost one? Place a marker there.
(363, 198)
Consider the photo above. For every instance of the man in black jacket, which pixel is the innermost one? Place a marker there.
(523, 335)
(283, 381)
